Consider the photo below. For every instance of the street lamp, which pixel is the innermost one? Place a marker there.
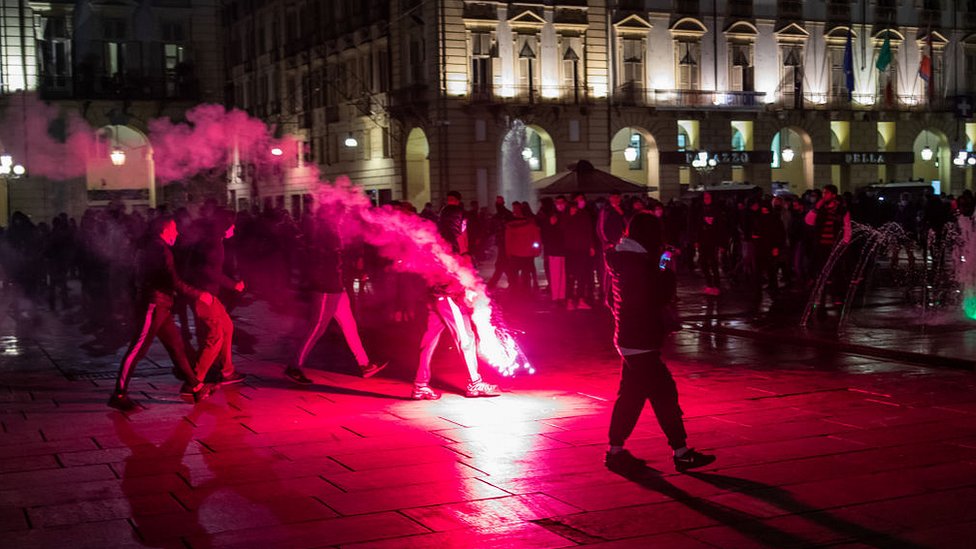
(630, 154)
(527, 153)
(117, 156)
(787, 154)
(276, 151)
(350, 141)
(926, 153)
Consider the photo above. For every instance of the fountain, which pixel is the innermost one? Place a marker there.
(514, 177)
(933, 284)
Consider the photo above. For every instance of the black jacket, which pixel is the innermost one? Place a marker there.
(642, 293)
(323, 268)
(160, 281)
(207, 265)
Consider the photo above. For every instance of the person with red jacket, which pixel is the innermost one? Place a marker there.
(522, 241)
(160, 285)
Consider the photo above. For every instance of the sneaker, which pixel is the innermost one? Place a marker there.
(121, 402)
(623, 462)
(203, 393)
(692, 459)
(424, 393)
(371, 369)
(236, 377)
(481, 389)
(297, 375)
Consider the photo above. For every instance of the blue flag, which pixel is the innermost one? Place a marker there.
(849, 65)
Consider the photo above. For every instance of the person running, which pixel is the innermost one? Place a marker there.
(160, 284)
(643, 290)
(323, 251)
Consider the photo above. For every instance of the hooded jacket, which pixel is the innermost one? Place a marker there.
(641, 293)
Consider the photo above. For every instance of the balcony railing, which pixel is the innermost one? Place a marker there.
(698, 99)
(527, 94)
(129, 86)
(840, 101)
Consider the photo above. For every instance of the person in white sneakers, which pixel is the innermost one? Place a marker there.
(448, 311)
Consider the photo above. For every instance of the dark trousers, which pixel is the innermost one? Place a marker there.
(645, 377)
(579, 276)
(156, 321)
(708, 263)
(521, 269)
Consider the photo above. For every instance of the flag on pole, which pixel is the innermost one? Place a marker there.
(849, 65)
(884, 56)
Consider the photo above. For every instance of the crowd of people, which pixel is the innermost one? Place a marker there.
(610, 252)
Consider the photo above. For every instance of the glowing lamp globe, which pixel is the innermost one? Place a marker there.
(526, 153)
(971, 160)
(788, 154)
(926, 153)
(958, 161)
(19, 170)
(4, 170)
(712, 162)
(6, 160)
(117, 156)
(276, 151)
(630, 154)
(350, 141)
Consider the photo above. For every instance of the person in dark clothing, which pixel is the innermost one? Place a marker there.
(770, 244)
(577, 232)
(711, 238)
(501, 218)
(215, 330)
(324, 279)
(58, 256)
(555, 250)
(160, 284)
(642, 292)
(452, 225)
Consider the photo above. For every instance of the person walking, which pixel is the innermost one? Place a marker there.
(324, 280)
(522, 241)
(447, 310)
(160, 284)
(609, 228)
(215, 329)
(643, 292)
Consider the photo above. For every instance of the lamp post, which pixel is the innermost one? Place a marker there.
(704, 165)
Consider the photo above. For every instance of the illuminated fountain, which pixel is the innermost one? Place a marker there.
(514, 176)
(929, 290)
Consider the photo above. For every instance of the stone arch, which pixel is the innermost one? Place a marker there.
(417, 157)
(644, 170)
(939, 167)
(122, 167)
(798, 173)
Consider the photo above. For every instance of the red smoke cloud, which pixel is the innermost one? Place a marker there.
(50, 143)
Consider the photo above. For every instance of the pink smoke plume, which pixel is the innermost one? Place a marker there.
(208, 139)
(49, 142)
(414, 245)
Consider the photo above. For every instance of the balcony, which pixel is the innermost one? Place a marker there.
(183, 86)
(840, 102)
(689, 99)
(527, 95)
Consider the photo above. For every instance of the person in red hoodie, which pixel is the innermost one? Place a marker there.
(522, 241)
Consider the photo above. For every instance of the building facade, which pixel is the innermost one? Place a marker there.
(412, 98)
(116, 64)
